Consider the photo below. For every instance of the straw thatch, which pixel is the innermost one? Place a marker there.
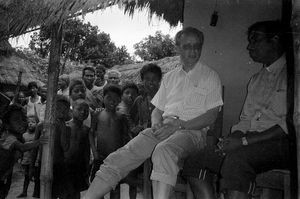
(169, 10)
(130, 72)
(12, 65)
(19, 16)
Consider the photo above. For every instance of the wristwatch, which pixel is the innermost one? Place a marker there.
(244, 141)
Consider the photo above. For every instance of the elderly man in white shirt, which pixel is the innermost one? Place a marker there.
(186, 104)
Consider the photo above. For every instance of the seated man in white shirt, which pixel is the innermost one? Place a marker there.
(186, 103)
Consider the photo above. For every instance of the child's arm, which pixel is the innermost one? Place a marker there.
(135, 117)
(65, 136)
(25, 147)
(92, 134)
(125, 129)
(134, 111)
(37, 134)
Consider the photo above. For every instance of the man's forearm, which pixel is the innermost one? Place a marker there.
(201, 121)
(271, 133)
(156, 116)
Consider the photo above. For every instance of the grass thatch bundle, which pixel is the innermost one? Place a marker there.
(12, 65)
(17, 16)
(131, 72)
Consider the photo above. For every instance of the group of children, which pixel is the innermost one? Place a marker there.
(125, 112)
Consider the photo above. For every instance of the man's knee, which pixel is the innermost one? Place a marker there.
(234, 163)
(163, 153)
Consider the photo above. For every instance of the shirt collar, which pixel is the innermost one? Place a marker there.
(277, 65)
(197, 66)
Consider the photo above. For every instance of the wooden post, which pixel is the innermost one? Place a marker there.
(49, 124)
(295, 22)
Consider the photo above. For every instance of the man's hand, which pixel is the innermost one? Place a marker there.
(156, 126)
(165, 131)
(230, 144)
(176, 122)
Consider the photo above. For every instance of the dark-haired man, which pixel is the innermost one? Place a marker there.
(186, 103)
(88, 77)
(259, 142)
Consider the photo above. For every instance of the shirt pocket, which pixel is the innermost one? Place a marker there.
(195, 99)
(279, 102)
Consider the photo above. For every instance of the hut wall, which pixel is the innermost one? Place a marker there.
(225, 44)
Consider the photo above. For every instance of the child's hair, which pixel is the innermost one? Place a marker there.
(100, 67)
(89, 69)
(113, 72)
(79, 101)
(75, 82)
(112, 88)
(130, 85)
(32, 84)
(34, 117)
(65, 78)
(63, 99)
(151, 68)
(10, 109)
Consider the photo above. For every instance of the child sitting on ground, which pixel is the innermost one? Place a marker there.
(77, 152)
(15, 124)
(28, 137)
(110, 129)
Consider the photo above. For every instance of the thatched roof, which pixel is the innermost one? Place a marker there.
(169, 10)
(19, 16)
(11, 66)
(130, 72)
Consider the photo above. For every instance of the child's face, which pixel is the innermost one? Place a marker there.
(111, 100)
(33, 90)
(62, 84)
(129, 95)
(151, 82)
(62, 110)
(17, 122)
(22, 98)
(31, 124)
(80, 111)
(78, 92)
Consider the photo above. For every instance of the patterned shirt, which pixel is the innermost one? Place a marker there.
(189, 94)
(265, 104)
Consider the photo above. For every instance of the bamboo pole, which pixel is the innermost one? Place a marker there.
(295, 22)
(49, 124)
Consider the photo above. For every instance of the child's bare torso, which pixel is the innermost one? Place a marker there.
(109, 132)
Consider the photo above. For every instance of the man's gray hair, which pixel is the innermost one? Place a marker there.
(188, 31)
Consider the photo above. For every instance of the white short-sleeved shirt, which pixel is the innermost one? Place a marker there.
(189, 95)
(265, 104)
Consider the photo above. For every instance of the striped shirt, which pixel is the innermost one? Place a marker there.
(189, 94)
(265, 104)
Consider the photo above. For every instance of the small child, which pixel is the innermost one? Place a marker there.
(129, 93)
(15, 124)
(78, 151)
(142, 108)
(28, 137)
(110, 129)
(77, 90)
(59, 188)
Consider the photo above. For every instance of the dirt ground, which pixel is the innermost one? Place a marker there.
(17, 186)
